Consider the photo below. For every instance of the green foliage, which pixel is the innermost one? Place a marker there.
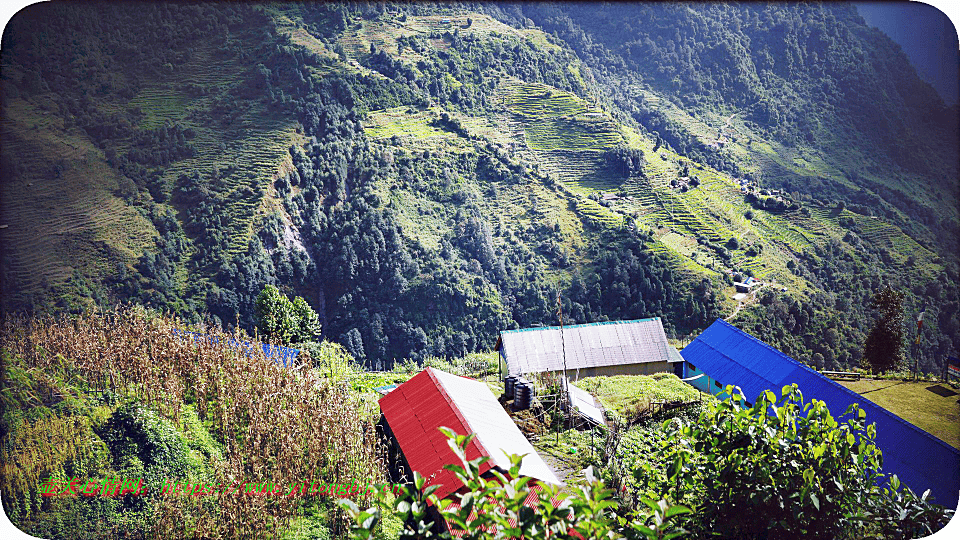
(282, 320)
(485, 510)
(137, 433)
(782, 468)
(332, 362)
(883, 350)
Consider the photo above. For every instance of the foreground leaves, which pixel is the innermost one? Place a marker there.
(494, 507)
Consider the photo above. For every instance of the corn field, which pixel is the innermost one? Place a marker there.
(284, 424)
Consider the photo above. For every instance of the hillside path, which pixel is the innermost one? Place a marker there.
(750, 295)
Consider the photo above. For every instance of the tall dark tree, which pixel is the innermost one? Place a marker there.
(883, 349)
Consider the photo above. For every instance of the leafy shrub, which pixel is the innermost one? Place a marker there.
(135, 431)
(782, 468)
(280, 319)
(486, 509)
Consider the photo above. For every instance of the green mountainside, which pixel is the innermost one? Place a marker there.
(425, 175)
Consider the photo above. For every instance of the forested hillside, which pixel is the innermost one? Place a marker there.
(425, 175)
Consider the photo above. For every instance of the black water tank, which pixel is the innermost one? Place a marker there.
(523, 395)
(508, 386)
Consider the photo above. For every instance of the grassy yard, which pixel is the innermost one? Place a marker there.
(917, 403)
(625, 393)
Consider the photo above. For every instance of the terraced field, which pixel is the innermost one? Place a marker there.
(402, 121)
(582, 170)
(60, 210)
(565, 134)
(481, 25)
(775, 228)
(598, 214)
(677, 261)
(259, 139)
(571, 134)
(536, 101)
(558, 120)
(904, 250)
(694, 258)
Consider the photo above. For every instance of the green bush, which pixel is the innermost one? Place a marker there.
(282, 320)
(485, 510)
(786, 469)
(139, 433)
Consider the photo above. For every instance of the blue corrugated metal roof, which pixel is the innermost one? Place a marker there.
(277, 353)
(919, 459)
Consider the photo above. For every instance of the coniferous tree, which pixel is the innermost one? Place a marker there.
(883, 349)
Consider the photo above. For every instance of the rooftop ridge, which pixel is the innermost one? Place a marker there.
(600, 323)
(757, 340)
(456, 410)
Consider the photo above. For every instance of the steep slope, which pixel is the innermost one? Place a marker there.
(425, 175)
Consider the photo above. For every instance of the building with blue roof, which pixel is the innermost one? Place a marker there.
(724, 355)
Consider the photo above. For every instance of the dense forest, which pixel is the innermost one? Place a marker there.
(426, 175)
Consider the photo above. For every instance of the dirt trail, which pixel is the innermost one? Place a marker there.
(750, 296)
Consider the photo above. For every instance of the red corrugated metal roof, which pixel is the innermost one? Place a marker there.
(416, 408)
(414, 411)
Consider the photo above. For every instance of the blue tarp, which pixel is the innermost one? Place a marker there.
(386, 389)
(280, 355)
(919, 459)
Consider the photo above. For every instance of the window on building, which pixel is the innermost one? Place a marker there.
(718, 384)
(691, 366)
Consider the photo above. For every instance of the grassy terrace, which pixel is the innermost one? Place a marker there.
(624, 394)
(571, 134)
(533, 101)
(403, 121)
(558, 120)
(930, 406)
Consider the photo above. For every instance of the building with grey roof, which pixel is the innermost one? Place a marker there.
(637, 347)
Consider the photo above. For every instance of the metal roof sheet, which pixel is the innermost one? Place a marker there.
(279, 355)
(534, 350)
(582, 401)
(495, 430)
(919, 459)
(433, 398)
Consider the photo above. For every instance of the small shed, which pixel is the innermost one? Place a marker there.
(725, 355)
(415, 410)
(637, 347)
(746, 285)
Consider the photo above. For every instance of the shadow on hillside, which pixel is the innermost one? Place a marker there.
(941, 391)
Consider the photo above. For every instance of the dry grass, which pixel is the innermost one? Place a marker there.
(285, 425)
(917, 403)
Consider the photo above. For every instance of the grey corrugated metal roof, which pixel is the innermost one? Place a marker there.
(535, 350)
(493, 426)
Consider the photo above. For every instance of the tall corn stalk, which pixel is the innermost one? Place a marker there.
(285, 425)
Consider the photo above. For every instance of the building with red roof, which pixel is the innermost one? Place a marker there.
(417, 408)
